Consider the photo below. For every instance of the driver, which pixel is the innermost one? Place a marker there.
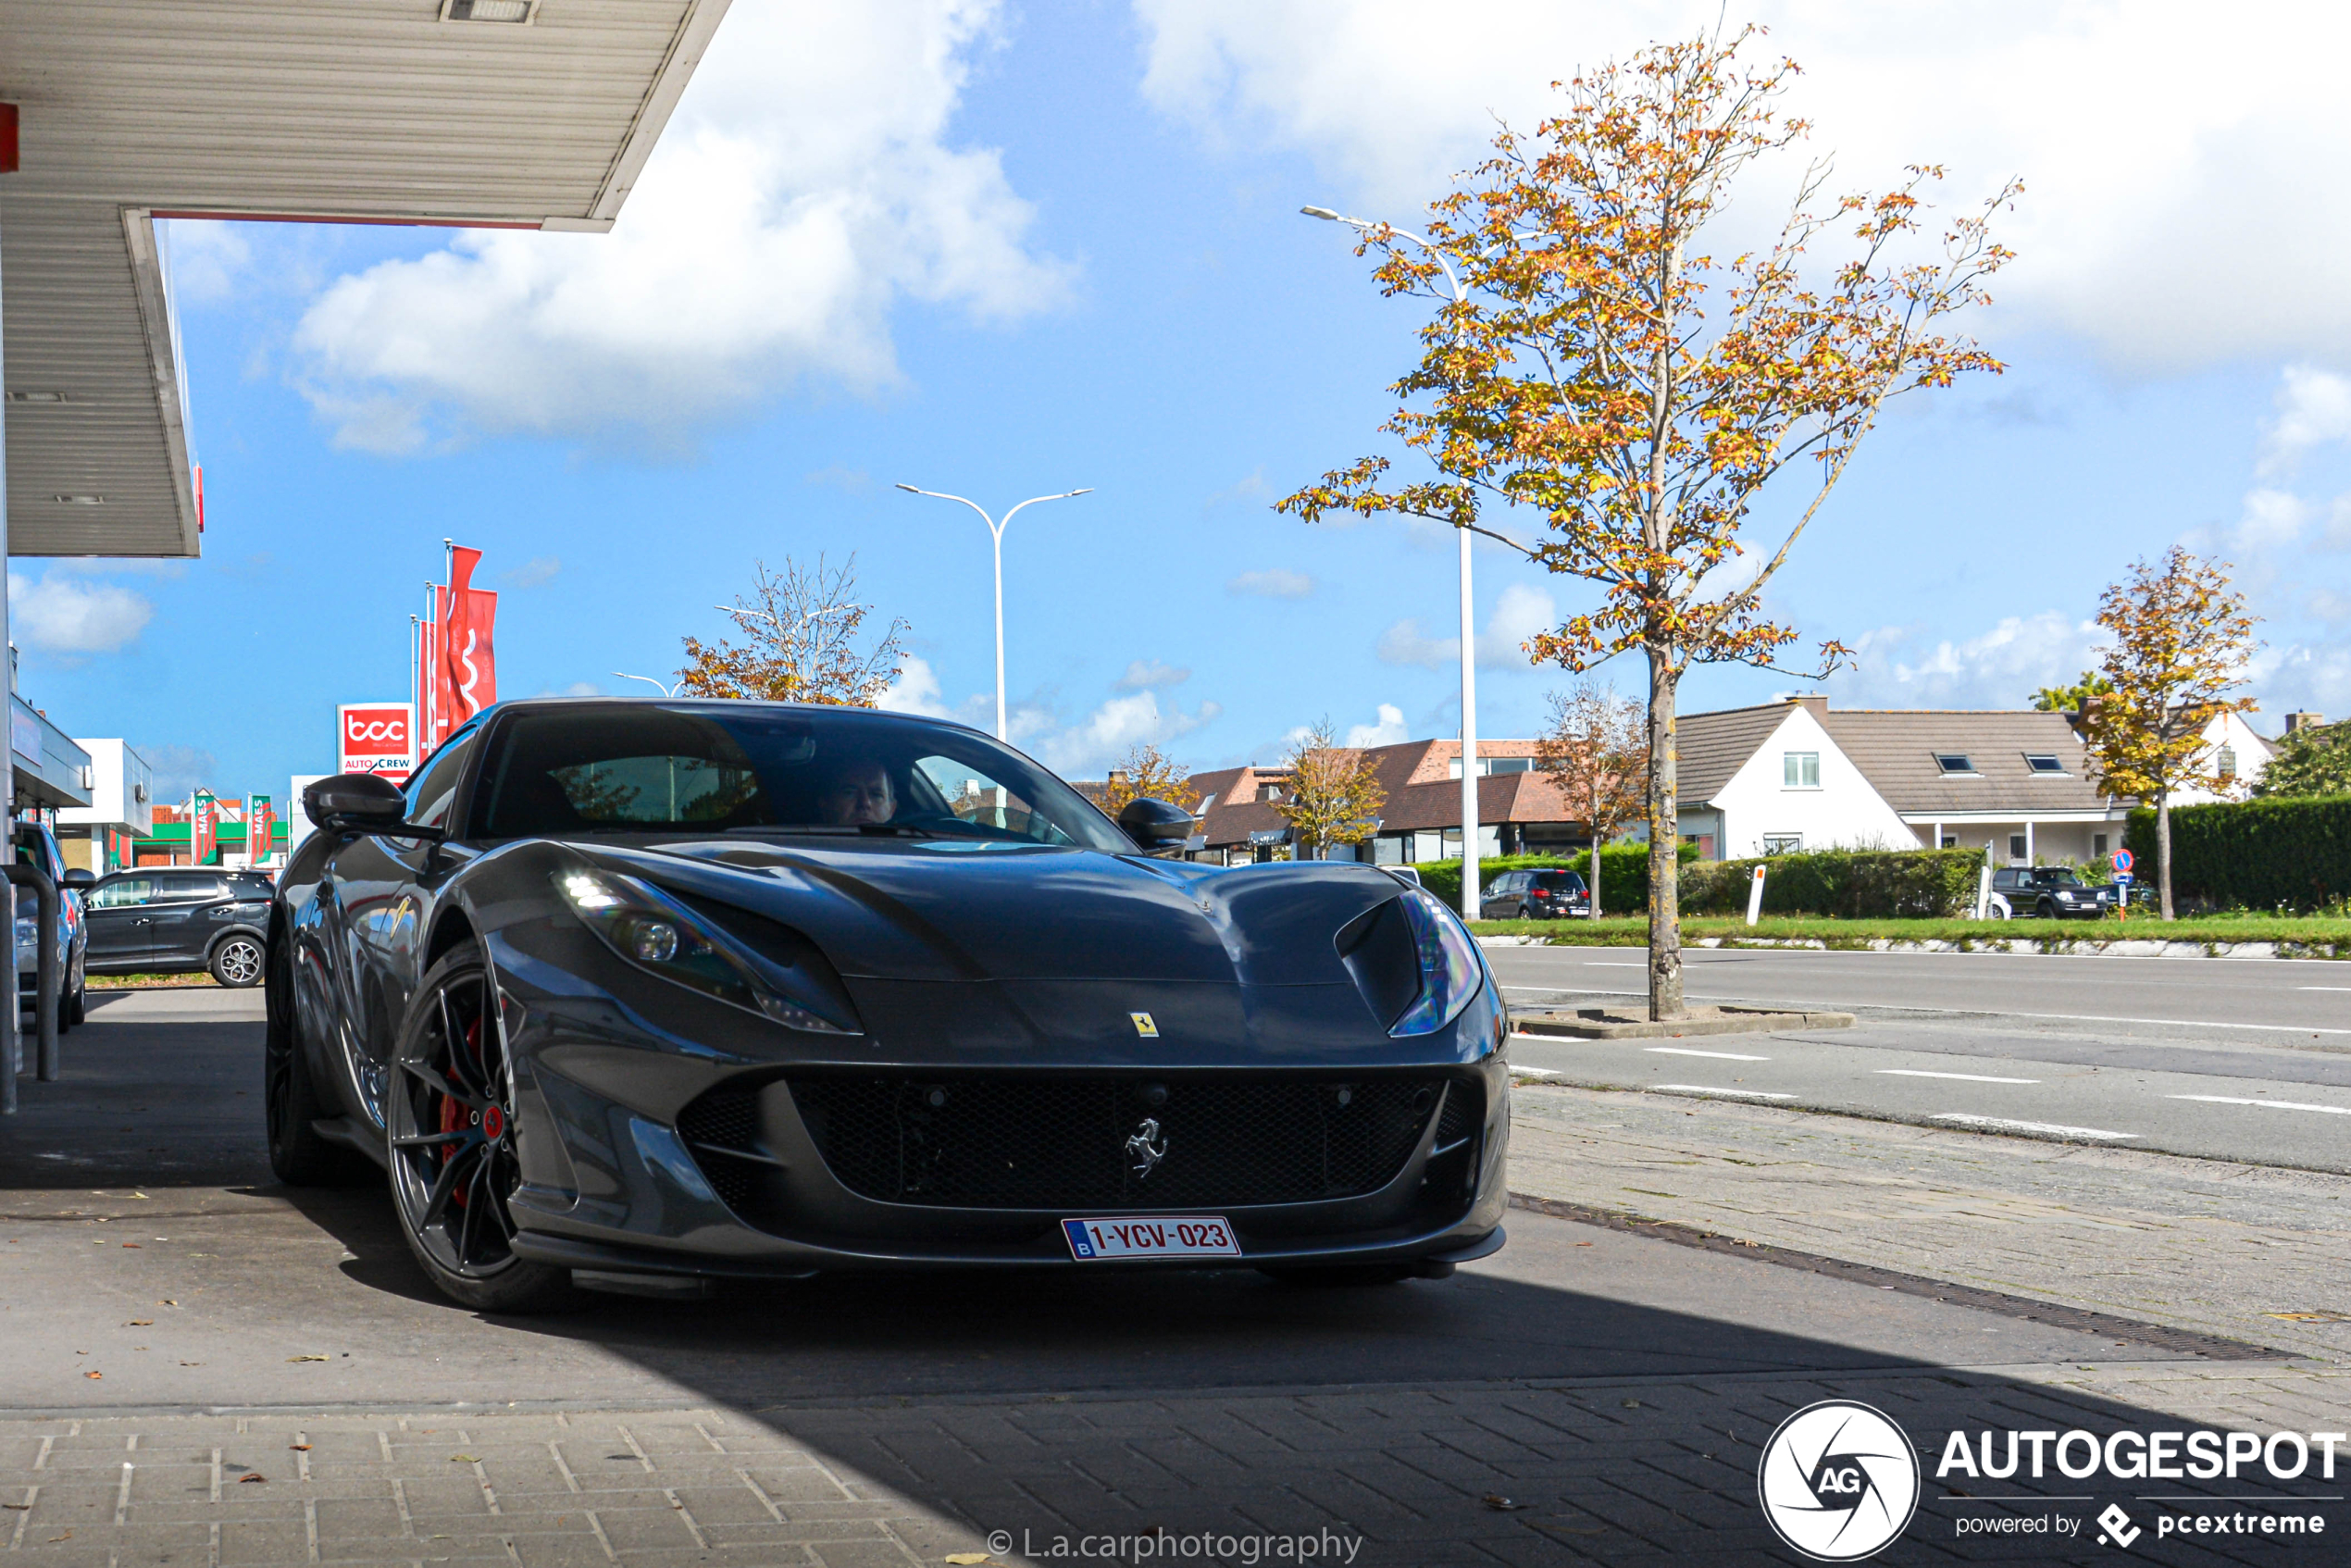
(859, 792)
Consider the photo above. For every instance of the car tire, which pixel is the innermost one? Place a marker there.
(1525, 913)
(73, 1007)
(298, 1154)
(239, 961)
(2045, 910)
(1339, 1277)
(449, 1139)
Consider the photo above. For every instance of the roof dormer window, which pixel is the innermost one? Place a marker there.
(1955, 764)
(2044, 765)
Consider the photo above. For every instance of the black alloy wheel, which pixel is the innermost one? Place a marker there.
(1525, 913)
(2046, 910)
(449, 1125)
(239, 961)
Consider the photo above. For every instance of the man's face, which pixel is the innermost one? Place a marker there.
(861, 794)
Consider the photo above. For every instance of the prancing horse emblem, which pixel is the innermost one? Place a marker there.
(1146, 1148)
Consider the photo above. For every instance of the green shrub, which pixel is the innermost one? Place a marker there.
(1851, 884)
(1624, 874)
(2292, 854)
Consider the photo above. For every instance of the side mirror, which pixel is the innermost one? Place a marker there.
(76, 876)
(365, 803)
(1155, 825)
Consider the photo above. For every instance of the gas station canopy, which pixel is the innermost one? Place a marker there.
(528, 114)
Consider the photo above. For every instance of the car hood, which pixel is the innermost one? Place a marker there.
(953, 910)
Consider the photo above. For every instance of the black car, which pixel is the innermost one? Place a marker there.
(37, 846)
(181, 919)
(2052, 892)
(1535, 895)
(633, 993)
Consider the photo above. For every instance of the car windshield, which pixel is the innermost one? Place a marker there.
(2054, 876)
(649, 768)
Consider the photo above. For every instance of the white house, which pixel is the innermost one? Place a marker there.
(1798, 775)
(98, 837)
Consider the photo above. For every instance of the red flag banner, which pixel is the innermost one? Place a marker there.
(203, 829)
(467, 616)
(260, 829)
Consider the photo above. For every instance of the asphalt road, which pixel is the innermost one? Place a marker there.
(2226, 1058)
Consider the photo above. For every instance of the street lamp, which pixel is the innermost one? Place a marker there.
(1469, 632)
(996, 532)
(664, 690)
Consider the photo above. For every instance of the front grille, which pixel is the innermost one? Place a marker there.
(1463, 1114)
(722, 1129)
(1064, 1142)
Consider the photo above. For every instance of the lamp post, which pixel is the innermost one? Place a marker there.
(996, 532)
(664, 690)
(1469, 631)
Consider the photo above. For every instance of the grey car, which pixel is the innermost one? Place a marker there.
(36, 846)
(181, 919)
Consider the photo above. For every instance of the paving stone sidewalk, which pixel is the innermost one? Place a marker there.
(1635, 1471)
(2197, 1244)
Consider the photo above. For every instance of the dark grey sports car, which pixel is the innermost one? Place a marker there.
(634, 994)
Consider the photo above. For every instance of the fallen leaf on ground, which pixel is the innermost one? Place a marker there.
(1500, 1504)
(66, 1536)
(465, 1459)
(93, 1376)
(967, 1557)
(192, 1364)
(306, 1358)
(140, 1323)
(16, 1507)
(167, 1301)
(299, 1447)
(1632, 1404)
(257, 1476)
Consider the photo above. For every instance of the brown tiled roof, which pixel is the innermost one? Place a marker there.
(1895, 749)
(1710, 748)
(1421, 794)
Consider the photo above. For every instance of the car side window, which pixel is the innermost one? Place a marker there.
(433, 792)
(123, 894)
(186, 889)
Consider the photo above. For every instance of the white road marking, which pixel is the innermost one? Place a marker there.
(1963, 1077)
(1718, 1055)
(2265, 1104)
(1611, 964)
(1961, 1012)
(1727, 1093)
(2323, 987)
(2000, 1124)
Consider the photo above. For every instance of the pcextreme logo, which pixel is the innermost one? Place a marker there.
(1839, 1481)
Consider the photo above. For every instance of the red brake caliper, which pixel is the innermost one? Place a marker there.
(454, 1118)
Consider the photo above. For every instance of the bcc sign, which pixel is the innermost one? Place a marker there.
(374, 738)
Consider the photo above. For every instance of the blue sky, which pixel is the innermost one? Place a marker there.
(1004, 251)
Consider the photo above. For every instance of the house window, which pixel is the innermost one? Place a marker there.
(1954, 762)
(2016, 846)
(1783, 843)
(2097, 843)
(2042, 762)
(1800, 770)
(2226, 763)
(1507, 765)
(1950, 841)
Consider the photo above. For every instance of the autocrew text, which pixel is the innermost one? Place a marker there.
(2131, 1456)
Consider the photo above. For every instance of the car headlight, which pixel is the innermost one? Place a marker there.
(1450, 973)
(659, 935)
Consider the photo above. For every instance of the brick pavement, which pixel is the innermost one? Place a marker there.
(2198, 1244)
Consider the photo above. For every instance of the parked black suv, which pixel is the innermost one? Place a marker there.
(1535, 895)
(180, 920)
(2051, 892)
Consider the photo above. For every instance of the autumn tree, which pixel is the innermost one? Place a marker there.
(2313, 760)
(1334, 795)
(1148, 773)
(2182, 638)
(803, 640)
(1604, 369)
(2072, 699)
(1596, 751)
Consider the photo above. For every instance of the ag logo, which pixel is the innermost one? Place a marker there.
(1839, 1481)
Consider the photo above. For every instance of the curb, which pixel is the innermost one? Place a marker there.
(1729, 1019)
(2031, 946)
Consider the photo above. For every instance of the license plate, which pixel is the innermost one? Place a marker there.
(1164, 1235)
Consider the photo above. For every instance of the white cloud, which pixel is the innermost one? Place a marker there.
(1145, 675)
(915, 692)
(804, 184)
(2314, 408)
(1519, 614)
(202, 258)
(531, 573)
(1388, 731)
(1998, 668)
(73, 617)
(177, 772)
(2270, 518)
(2174, 215)
(1275, 582)
(1114, 729)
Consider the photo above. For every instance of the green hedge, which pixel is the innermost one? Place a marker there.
(1852, 883)
(1624, 874)
(2257, 855)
